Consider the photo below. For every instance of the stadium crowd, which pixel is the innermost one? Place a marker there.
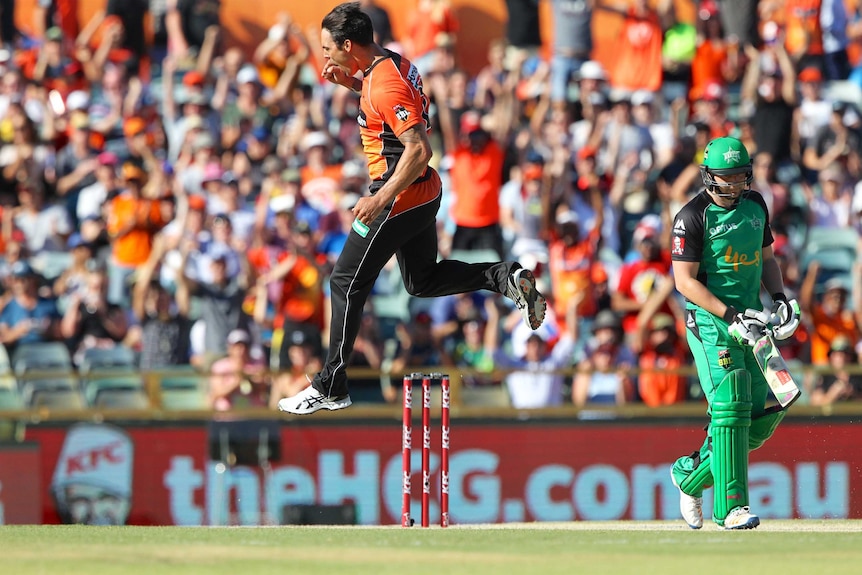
(167, 195)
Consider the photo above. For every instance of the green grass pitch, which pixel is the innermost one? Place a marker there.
(661, 547)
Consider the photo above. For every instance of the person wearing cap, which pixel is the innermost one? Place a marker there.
(132, 223)
(534, 364)
(220, 283)
(602, 375)
(239, 380)
(662, 356)
(722, 255)
(73, 279)
(838, 384)
(837, 141)
(476, 177)
(399, 216)
(27, 317)
(829, 206)
(522, 220)
(814, 111)
(830, 314)
(571, 258)
(641, 277)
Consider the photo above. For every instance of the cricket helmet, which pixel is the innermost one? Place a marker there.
(725, 157)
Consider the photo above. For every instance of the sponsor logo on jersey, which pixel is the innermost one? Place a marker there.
(732, 156)
(414, 78)
(723, 228)
(732, 256)
(360, 119)
(678, 246)
(401, 112)
(724, 359)
(757, 223)
(679, 228)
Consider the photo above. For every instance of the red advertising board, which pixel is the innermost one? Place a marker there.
(502, 472)
(20, 487)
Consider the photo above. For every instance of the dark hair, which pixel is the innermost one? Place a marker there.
(347, 22)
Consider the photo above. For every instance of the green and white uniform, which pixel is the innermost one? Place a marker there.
(727, 243)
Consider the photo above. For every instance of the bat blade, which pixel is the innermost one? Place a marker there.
(775, 371)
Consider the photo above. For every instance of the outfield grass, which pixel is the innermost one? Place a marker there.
(778, 547)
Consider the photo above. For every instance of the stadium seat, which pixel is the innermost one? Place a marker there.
(184, 399)
(10, 398)
(43, 357)
(126, 383)
(118, 358)
(485, 396)
(184, 391)
(58, 392)
(5, 362)
(121, 398)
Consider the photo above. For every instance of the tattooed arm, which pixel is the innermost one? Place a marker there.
(413, 163)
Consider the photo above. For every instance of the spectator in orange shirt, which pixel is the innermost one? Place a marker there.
(638, 61)
(432, 25)
(477, 176)
(662, 352)
(132, 223)
(830, 318)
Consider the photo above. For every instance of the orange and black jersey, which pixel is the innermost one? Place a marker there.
(392, 102)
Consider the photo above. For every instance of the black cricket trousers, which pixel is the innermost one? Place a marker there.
(411, 234)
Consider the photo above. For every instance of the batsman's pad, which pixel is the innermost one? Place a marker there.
(763, 427)
(731, 421)
(693, 472)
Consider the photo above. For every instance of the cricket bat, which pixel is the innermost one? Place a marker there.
(775, 370)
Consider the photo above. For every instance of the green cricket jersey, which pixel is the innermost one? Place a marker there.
(728, 243)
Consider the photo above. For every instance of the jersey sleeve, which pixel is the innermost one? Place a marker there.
(687, 236)
(399, 104)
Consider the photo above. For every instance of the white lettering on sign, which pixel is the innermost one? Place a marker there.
(553, 492)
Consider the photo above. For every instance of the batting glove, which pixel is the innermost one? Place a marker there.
(784, 316)
(747, 327)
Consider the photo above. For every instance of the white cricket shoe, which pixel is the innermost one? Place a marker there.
(522, 290)
(741, 518)
(690, 507)
(310, 400)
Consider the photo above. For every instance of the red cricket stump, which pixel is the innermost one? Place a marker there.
(444, 453)
(426, 449)
(406, 449)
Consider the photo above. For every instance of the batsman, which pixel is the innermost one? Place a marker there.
(722, 253)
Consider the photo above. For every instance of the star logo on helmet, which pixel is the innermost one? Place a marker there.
(732, 156)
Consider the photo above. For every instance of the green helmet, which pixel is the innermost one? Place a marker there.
(725, 157)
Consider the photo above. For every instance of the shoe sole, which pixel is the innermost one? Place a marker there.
(529, 299)
(750, 524)
(675, 484)
(328, 405)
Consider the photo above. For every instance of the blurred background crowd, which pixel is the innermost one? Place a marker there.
(167, 196)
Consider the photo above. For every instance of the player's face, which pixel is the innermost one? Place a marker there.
(731, 184)
(333, 54)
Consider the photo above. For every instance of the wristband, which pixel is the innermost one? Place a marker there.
(729, 314)
(779, 296)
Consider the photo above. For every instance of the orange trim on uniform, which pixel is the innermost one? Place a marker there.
(392, 102)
